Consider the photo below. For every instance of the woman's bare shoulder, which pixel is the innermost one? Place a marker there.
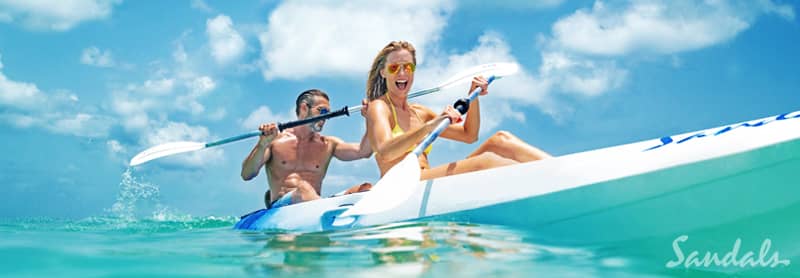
(423, 109)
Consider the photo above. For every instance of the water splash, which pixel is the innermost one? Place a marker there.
(138, 208)
(133, 194)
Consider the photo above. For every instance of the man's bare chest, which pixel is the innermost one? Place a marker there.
(291, 155)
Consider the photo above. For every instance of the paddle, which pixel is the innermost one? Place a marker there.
(399, 181)
(172, 148)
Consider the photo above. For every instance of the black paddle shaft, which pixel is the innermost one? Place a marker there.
(343, 111)
(462, 105)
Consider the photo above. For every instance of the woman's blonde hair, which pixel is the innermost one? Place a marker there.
(376, 84)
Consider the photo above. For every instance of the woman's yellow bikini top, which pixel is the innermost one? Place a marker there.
(397, 130)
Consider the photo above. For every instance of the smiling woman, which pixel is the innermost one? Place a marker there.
(394, 126)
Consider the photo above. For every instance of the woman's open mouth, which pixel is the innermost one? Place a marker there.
(401, 84)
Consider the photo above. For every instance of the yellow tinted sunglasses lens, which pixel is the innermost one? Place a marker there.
(411, 67)
(395, 68)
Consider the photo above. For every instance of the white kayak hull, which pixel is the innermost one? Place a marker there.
(652, 188)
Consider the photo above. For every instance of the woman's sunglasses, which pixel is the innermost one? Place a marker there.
(395, 68)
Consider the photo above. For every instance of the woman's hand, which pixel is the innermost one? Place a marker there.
(452, 114)
(479, 81)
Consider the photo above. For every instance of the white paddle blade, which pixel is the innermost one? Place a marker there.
(394, 188)
(165, 150)
(486, 70)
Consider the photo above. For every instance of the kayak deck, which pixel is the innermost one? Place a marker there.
(619, 193)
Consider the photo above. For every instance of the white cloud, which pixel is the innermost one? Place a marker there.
(115, 147)
(140, 104)
(20, 120)
(786, 11)
(586, 77)
(263, 114)
(55, 15)
(522, 4)
(80, 124)
(132, 109)
(198, 87)
(662, 27)
(179, 54)
(218, 114)
(582, 56)
(93, 56)
(301, 40)
(227, 44)
(161, 86)
(201, 85)
(18, 94)
(29, 107)
(202, 6)
(147, 109)
(174, 132)
(134, 106)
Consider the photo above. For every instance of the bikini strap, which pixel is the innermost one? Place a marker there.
(394, 113)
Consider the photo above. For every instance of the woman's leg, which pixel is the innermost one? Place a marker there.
(481, 161)
(502, 149)
(508, 146)
(359, 188)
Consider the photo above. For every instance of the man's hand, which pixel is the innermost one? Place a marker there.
(364, 106)
(268, 132)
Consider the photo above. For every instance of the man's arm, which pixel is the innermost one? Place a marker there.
(351, 151)
(261, 153)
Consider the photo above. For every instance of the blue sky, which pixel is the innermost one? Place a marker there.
(87, 84)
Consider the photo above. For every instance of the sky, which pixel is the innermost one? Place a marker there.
(87, 84)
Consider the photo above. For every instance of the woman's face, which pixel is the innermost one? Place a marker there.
(399, 71)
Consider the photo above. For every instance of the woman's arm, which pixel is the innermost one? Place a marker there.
(380, 132)
(468, 132)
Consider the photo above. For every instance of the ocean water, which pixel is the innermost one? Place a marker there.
(138, 237)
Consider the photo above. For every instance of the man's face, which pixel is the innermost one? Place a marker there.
(320, 106)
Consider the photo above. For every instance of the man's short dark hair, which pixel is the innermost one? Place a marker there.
(307, 98)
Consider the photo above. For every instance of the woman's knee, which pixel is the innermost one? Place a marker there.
(501, 138)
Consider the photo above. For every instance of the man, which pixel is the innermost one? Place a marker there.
(297, 159)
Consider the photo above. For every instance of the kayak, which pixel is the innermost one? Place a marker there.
(651, 188)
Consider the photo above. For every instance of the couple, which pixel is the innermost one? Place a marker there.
(297, 159)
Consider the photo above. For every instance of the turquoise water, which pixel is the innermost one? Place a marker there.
(169, 246)
(140, 237)
(208, 247)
